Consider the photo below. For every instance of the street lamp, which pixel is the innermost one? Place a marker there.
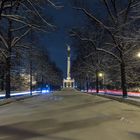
(101, 75)
(138, 54)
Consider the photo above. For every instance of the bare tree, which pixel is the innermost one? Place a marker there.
(19, 17)
(90, 47)
(120, 20)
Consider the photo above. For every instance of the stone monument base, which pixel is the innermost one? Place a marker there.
(68, 83)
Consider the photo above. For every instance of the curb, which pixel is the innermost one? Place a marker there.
(128, 101)
(14, 99)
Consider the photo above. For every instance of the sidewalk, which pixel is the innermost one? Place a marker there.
(4, 101)
(134, 99)
(129, 99)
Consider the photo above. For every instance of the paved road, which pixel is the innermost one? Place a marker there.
(69, 115)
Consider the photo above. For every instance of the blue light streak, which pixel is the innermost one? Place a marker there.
(21, 93)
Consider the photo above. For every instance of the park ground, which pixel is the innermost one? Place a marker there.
(69, 115)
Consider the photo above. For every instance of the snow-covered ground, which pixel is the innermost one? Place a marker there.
(69, 115)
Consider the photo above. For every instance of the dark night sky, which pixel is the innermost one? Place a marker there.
(55, 42)
(64, 19)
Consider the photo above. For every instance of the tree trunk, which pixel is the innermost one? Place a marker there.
(8, 77)
(31, 73)
(42, 82)
(96, 72)
(80, 86)
(123, 80)
(87, 87)
(1, 8)
(8, 62)
(2, 81)
(123, 76)
(97, 82)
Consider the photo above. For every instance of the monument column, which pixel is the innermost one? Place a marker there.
(68, 63)
(68, 82)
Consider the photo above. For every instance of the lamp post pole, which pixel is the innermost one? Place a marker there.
(87, 82)
(101, 75)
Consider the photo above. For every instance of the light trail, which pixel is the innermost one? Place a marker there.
(114, 92)
(21, 94)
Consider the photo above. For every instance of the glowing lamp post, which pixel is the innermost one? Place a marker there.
(101, 75)
(138, 55)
